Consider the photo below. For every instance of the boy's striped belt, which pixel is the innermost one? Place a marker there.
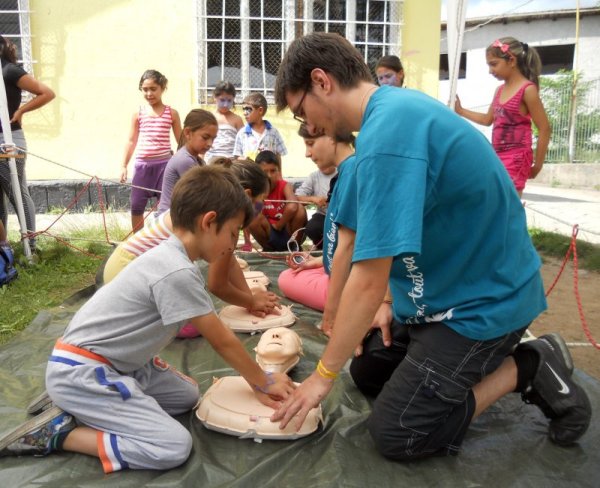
(77, 356)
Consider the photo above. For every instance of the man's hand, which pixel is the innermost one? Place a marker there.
(382, 320)
(306, 397)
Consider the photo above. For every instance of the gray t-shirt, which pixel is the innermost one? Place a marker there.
(129, 320)
(181, 161)
(317, 184)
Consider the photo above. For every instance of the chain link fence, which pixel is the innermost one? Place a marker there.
(243, 41)
(575, 133)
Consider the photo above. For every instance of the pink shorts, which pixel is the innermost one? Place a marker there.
(518, 164)
(308, 287)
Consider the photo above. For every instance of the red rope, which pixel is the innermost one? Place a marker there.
(69, 207)
(586, 329)
(573, 249)
(102, 208)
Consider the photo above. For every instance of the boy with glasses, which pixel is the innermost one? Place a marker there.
(258, 134)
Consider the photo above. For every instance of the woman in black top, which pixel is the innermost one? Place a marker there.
(16, 79)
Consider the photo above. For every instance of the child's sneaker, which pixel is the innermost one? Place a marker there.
(562, 400)
(40, 403)
(37, 436)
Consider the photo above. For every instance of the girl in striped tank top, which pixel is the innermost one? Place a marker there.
(149, 137)
(516, 103)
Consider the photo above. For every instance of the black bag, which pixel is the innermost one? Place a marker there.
(8, 272)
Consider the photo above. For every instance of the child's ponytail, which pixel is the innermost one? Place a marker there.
(196, 119)
(528, 59)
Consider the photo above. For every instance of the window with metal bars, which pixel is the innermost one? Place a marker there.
(14, 25)
(243, 41)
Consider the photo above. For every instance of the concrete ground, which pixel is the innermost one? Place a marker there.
(558, 209)
(549, 208)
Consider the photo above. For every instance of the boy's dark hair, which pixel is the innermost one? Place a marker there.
(268, 157)
(347, 138)
(208, 188)
(249, 174)
(390, 62)
(257, 100)
(325, 50)
(224, 87)
(157, 76)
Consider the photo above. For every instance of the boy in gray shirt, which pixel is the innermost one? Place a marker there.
(113, 396)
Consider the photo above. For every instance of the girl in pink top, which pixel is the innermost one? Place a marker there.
(516, 103)
(149, 137)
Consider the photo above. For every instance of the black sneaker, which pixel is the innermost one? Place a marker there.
(35, 436)
(562, 400)
(40, 403)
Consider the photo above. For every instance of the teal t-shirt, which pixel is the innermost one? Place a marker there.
(428, 190)
(330, 233)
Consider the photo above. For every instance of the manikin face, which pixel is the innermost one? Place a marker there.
(200, 140)
(278, 343)
(152, 91)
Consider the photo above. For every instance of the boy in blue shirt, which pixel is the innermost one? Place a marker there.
(430, 207)
(258, 134)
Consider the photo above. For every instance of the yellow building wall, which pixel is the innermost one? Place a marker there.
(93, 52)
(421, 45)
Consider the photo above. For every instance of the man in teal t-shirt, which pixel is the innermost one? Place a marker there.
(430, 206)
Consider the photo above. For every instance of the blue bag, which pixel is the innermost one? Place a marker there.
(8, 272)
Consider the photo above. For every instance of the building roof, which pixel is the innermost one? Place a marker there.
(529, 16)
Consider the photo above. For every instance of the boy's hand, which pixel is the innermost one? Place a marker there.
(279, 389)
(320, 201)
(123, 177)
(263, 303)
(457, 106)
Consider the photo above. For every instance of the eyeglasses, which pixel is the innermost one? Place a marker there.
(297, 118)
(247, 109)
(296, 253)
(292, 244)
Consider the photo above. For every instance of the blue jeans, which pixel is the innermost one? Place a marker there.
(422, 383)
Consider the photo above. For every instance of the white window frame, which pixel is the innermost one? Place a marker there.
(390, 43)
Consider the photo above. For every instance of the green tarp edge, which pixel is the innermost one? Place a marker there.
(507, 446)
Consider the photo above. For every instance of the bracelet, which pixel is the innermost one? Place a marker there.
(270, 381)
(324, 372)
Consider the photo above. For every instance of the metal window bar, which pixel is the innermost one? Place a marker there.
(21, 33)
(251, 56)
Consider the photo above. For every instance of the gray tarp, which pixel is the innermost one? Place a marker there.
(506, 446)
